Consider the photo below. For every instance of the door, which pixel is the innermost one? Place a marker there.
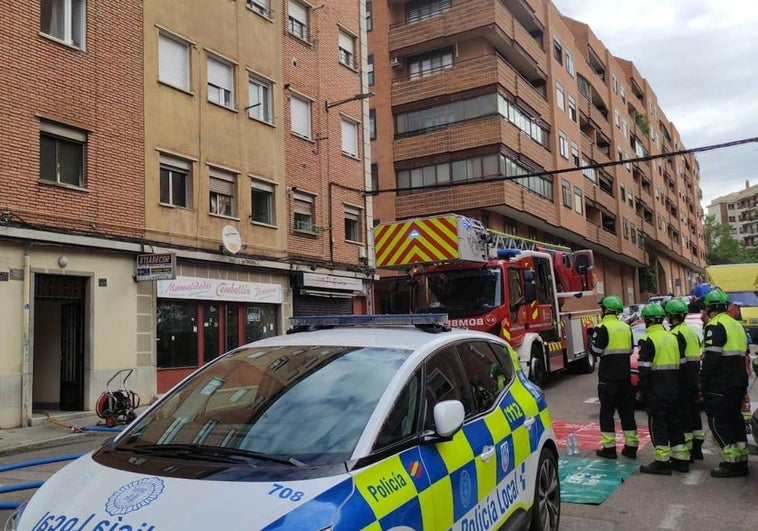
(72, 357)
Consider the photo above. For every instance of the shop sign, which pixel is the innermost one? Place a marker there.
(317, 280)
(156, 266)
(219, 290)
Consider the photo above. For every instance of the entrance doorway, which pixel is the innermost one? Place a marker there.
(59, 330)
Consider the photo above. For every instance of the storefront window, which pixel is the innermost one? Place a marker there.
(177, 334)
(210, 332)
(260, 321)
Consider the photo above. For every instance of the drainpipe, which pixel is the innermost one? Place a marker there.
(26, 354)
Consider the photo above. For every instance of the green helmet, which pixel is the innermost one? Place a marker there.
(676, 306)
(612, 304)
(653, 311)
(716, 297)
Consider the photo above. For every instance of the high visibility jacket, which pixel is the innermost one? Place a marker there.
(612, 343)
(724, 357)
(689, 371)
(659, 362)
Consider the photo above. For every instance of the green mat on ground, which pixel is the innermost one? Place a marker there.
(591, 481)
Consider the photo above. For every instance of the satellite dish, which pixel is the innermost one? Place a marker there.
(231, 241)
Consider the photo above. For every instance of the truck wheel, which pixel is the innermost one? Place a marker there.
(586, 365)
(537, 369)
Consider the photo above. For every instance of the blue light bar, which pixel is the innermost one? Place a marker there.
(508, 253)
(372, 320)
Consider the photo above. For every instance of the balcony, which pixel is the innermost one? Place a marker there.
(599, 197)
(481, 18)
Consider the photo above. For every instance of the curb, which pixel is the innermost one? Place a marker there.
(40, 444)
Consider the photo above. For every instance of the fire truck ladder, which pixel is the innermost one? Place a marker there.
(502, 240)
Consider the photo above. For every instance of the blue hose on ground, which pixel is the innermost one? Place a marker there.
(46, 460)
(101, 428)
(21, 486)
(9, 505)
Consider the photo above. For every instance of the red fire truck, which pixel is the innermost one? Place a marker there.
(540, 298)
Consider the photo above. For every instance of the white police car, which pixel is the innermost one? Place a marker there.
(340, 428)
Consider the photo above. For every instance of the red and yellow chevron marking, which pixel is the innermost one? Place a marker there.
(555, 346)
(416, 241)
(535, 310)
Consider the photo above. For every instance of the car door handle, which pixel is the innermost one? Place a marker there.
(528, 421)
(487, 452)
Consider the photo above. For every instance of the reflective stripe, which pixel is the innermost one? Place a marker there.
(644, 364)
(713, 349)
(622, 351)
(666, 367)
(732, 353)
(593, 348)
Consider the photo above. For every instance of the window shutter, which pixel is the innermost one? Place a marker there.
(221, 183)
(219, 74)
(301, 116)
(349, 137)
(298, 12)
(347, 42)
(173, 62)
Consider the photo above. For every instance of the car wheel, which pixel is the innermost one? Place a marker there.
(546, 510)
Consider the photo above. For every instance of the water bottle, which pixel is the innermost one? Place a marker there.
(575, 444)
(571, 445)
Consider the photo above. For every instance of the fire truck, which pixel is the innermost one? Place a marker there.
(541, 298)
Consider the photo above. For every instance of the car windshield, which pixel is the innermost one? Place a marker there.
(309, 403)
(744, 298)
(458, 293)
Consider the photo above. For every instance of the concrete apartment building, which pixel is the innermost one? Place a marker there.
(141, 129)
(468, 90)
(739, 210)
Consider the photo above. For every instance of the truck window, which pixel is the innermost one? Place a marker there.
(516, 291)
(544, 280)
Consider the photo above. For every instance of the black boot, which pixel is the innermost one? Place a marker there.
(697, 450)
(662, 468)
(680, 465)
(608, 453)
(730, 470)
(629, 451)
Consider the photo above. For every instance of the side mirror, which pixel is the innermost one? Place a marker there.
(448, 417)
(528, 275)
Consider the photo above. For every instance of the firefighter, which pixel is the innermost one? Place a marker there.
(689, 372)
(612, 344)
(659, 361)
(723, 382)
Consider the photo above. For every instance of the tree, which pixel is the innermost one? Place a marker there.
(723, 248)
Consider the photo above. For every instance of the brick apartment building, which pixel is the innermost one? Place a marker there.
(739, 210)
(473, 89)
(136, 128)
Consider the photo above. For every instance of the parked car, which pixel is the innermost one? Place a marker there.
(693, 320)
(337, 425)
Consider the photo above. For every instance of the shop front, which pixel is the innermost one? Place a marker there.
(321, 294)
(198, 319)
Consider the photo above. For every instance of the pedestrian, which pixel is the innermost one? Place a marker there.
(723, 382)
(612, 344)
(689, 371)
(659, 360)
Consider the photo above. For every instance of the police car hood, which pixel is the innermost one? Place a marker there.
(87, 496)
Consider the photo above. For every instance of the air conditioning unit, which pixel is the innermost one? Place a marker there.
(396, 62)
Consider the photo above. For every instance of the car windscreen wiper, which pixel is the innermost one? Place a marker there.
(216, 453)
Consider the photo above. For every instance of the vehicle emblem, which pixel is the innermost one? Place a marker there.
(505, 456)
(134, 496)
(414, 469)
(490, 319)
(465, 488)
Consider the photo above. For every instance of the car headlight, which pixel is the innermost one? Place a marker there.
(12, 523)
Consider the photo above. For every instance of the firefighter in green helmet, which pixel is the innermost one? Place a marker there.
(612, 344)
(689, 371)
(723, 382)
(659, 361)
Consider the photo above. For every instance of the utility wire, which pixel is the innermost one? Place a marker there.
(543, 173)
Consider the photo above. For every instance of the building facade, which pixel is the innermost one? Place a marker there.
(472, 94)
(740, 211)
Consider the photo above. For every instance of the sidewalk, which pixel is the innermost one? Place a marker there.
(45, 432)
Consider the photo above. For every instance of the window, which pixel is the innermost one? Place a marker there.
(64, 20)
(370, 71)
(625, 128)
(61, 154)
(369, 19)
(566, 193)
(485, 374)
(445, 381)
(615, 83)
(262, 7)
(303, 208)
(430, 64)
(622, 90)
(557, 49)
(352, 224)
(569, 63)
(617, 118)
(563, 144)
(375, 177)
(578, 205)
(560, 99)
(419, 10)
(175, 181)
(372, 124)
(222, 193)
(625, 227)
(259, 99)
(220, 83)
(575, 153)
(572, 108)
(173, 62)
(349, 137)
(298, 20)
(347, 49)
(262, 201)
(300, 110)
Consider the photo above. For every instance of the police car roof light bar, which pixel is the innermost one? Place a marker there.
(421, 319)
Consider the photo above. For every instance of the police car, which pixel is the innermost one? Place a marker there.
(345, 423)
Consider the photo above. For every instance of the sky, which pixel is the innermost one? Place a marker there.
(701, 59)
